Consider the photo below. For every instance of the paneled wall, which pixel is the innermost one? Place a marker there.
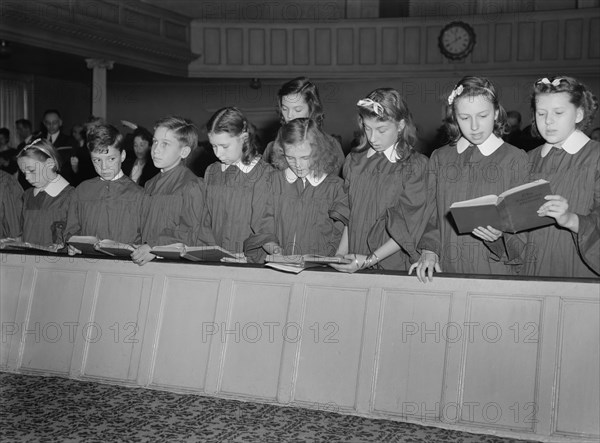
(517, 358)
(515, 43)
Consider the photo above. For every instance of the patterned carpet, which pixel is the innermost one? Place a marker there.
(53, 409)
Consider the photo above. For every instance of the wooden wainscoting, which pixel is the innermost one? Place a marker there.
(512, 357)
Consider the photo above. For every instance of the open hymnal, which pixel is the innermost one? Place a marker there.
(19, 245)
(177, 251)
(298, 263)
(89, 244)
(512, 211)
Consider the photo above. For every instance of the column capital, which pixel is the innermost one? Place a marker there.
(99, 63)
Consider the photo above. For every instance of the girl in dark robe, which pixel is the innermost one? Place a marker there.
(477, 162)
(386, 181)
(108, 206)
(11, 207)
(237, 188)
(45, 205)
(563, 108)
(173, 203)
(299, 98)
(308, 203)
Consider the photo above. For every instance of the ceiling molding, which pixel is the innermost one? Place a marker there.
(131, 33)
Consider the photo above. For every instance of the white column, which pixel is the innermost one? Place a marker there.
(99, 91)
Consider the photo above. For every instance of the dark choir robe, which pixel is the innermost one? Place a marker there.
(11, 206)
(555, 251)
(471, 174)
(45, 215)
(388, 200)
(236, 201)
(107, 210)
(305, 217)
(168, 197)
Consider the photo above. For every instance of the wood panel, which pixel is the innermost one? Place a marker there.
(367, 46)
(11, 279)
(526, 42)
(573, 39)
(51, 326)
(345, 46)
(499, 391)
(235, 47)
(279, 48)
(212, 46)
(389, 46)
(331, 336)
(550, 40)
(322, 44)
(415, 332)
(301, 52)
(253, 337)
(412, 44)
(114, 336)
(185, 342)
(578, 368)
(256, 47)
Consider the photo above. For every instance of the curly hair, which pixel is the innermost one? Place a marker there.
(471, 86)
(101, 137)
(579, 95)
(309, 92)
(393, 108)
(184, 129)
(323, 158)
(41, 150)
(232, 121)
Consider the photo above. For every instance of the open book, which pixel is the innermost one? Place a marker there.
(115, 248)
(89, 244)
(298, 263)
(85, 243)
(512, 211)
(177, 251)
(14, 244)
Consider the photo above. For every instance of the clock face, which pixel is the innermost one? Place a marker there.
(456, 40)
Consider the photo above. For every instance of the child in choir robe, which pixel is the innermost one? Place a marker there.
(562, 108)
(477, 162)
(237, 186)
(386, 181)
(109, 205)
(45, 205)
(173, 203)
(299, 98)
(309, 206)
(11, 206)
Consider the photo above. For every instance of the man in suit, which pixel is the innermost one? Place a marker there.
(24, 133)
(64, 144)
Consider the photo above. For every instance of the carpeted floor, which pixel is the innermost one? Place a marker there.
(53, 409)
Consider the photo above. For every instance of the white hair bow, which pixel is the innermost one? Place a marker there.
(554, 82)
(373, 105)
(455, 93)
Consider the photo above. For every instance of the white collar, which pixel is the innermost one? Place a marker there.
(244, 168)
(572, 144)
(115, 178)
(53, 188)
(390, 153)
(487, 148)
(291, 177)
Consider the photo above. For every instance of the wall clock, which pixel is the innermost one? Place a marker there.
(456, 40)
